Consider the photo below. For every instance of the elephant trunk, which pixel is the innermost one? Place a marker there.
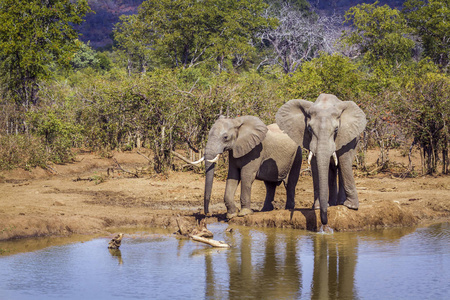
(323, 165)
(209, 177)
(211, 156)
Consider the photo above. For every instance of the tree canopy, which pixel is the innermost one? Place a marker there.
(431, 22)
(34, 34)
(187, 32)
(381, 33)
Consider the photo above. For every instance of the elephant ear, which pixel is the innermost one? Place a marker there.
(353, 122)
(292, 117)
(251, 133)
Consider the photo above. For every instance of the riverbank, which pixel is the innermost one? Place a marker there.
(86, 197)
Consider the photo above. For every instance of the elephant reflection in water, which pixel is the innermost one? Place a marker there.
(266, 264)
(273, 274)
(335, 260)
(334, 267)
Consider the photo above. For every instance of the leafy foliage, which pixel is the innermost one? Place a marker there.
(186, 32)
(331, 74)
(33, 35)
(424, 111)
(430, 21)
(381, 33)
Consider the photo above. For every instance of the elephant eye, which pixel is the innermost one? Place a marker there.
(225, 137)
(309, 128)
(336, 130)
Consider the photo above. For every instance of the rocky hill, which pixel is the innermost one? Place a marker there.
(98, 26)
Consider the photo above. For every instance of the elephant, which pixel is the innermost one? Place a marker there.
(256, 151)
(328, 128)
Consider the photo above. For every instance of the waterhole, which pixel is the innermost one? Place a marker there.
(411, 263)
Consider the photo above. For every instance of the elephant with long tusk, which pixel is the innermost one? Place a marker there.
(329, 128)
(256, 151)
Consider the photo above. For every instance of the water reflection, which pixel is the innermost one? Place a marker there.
(335, 258)
(118, 254)
(264, 266)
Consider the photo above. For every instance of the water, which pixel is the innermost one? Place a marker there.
(263, 264)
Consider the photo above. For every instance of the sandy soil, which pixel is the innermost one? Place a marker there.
(82, 197)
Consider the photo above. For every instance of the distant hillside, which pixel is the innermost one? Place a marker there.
(341, 6)
(98, 26)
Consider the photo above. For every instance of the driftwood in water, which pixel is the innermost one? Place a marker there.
(214, 243)
(185, 228)
(201, 230)
(115, 242)
(200, 234)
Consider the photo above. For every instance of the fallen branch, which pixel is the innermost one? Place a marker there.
(51, 169)
(126, 171)
(211, 242)
(144, 156)
(375, 170)
(181, 157)
(199, 234)
(82, 179)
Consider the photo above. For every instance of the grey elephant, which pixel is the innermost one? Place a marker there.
(256, 151)
(329, 128)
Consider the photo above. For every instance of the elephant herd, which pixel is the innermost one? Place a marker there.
(329, 128)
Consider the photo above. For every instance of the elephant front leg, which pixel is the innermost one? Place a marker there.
(246, 191)
(230, 190)
(348, 195)
(332, 184)
(270, 194)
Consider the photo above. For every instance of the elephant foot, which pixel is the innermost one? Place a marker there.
(316, 205)
(267, 207)
(244, 212)
(231, 215)
(351, 205)
(289, 205)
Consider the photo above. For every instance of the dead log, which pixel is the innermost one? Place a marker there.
(211, 242)
(115, 242)
(144, 156)
(201, 230)
(200, 234)
(126, 171)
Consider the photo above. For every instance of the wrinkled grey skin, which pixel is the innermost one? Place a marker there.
(256, 151)
(326, 126)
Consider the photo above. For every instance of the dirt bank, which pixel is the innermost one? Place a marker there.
(82, 198)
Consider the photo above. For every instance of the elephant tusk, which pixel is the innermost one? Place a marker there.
(335, 158)
(310, 157)
(215, 159)
(198, 161)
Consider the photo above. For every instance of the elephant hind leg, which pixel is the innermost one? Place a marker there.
(270, 194)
